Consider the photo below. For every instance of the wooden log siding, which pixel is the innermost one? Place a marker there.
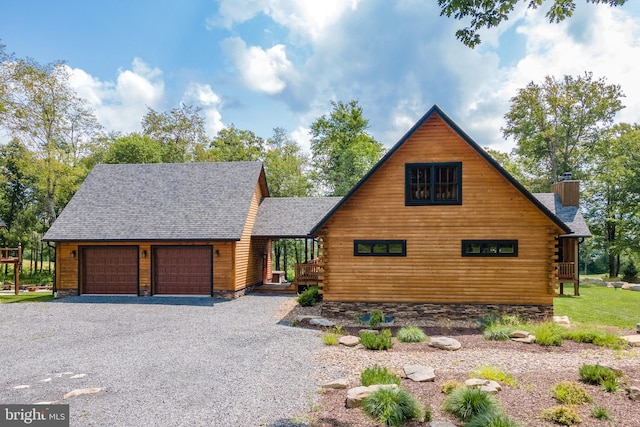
(433, 269)
(249, 251)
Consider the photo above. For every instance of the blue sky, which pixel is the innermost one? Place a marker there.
(261, 64)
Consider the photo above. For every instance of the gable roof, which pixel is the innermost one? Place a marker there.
(177, 201)
(291, 216)
(435, 110)
(570, 215)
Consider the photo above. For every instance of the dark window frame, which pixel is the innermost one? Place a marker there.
(387, 252)
(432, 184)
(486, 243)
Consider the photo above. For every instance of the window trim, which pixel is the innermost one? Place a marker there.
(373, 242)
(496, 242)
(432, 166)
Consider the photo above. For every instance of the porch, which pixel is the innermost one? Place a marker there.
(306, 274)
(567, 273)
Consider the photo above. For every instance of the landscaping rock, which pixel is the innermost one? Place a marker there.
(321, 321)
(562, 320)
(593, 280)
(626, 286)
(519, 334)
(81, 391)
(634, 393)
(306, 318)
(340, 383)
(634, 288)
(419, 373)
(488, 386)
(633, 340)
(445, 343)
(349, 340)
(527, 340)
(370, 331)
(441, 424)
(356, 395)
(617, 284)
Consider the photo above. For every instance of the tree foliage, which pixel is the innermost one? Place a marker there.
(555, 123)
(134, 148)
(491, 13)
(233, 145)
(286, 167)
(342, 152)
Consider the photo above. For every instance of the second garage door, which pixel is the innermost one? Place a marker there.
(182, 270)
(110, 270)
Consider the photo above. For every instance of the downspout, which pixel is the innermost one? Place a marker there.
(55, 264)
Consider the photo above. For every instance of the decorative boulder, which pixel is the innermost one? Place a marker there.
(562, 320)
(519, 334)
(488, 386)
(340, 383)
(445, 343)
(321, 321)
(356, 395)
(634, 393)
(634, 288)
(349, 340)
(419, 373)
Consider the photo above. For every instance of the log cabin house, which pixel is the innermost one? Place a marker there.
(436, 228)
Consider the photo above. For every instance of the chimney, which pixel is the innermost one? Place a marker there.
(568, 190)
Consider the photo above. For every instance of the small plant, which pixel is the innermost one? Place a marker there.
(411, 334)
(381, 341)
(594, 336)
(330, 339)
(376, 318)
(610, 385)
(494, 373)
(309, 297)
(427, 414)
(497, 332)
(548, 334)
(378, 375)
(337, 330)
(596, 374)
(564, 415)
(570, 393)
(600, 412)
(392, 407)
(491, 419)
(451, 385)
(489, 319)
(468, 402)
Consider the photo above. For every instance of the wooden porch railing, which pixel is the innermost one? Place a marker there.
(566, 271)
(308, 273)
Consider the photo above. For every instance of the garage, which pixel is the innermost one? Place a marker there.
(182, 270)
(110, 270)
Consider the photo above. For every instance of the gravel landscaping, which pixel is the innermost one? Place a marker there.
(174, 361)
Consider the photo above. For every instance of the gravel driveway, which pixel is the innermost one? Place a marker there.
(173, 361)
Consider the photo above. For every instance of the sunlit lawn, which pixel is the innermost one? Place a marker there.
(600, 305)
(26, 297)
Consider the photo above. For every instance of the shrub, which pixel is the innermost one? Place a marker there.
(337, 330)
(376, 318)
(600, 413)
(497, 332)
(594, 336)
(378, 375)
(392, 407)
(489, 319)
(468, 402)
(570, 393)
(381, 341)
(596, 374)
(548, 333)
(411, 334)
(330, 339)
(309, 297)
(494, 373)
(610, 385)
(562, 415)
(449, 386)
(427, 414)
(492, 419)
(630, 272)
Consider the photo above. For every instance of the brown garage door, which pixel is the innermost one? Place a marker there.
(110, 270)
(182, 270)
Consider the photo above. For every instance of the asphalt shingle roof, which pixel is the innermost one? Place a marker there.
(570, 215)
(177, 201)
(291, 216)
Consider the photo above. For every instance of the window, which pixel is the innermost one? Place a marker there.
(433, 184)
(380, 248)
(490, 248)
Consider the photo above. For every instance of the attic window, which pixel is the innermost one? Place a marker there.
(490, 248)
(433, 184)
(380, 248)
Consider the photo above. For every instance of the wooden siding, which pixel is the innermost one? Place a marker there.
(249, 252)
(434, 269)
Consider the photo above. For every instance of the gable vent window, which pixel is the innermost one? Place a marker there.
(433, 184)
(380, 247)
(490, 248)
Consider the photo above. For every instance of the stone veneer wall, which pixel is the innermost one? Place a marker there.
(62, 293)
(453, 312)
(235, 294)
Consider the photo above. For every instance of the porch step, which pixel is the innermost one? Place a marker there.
(276, 288)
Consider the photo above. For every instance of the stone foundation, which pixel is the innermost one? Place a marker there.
(435, 312)
(63, 293)
(235, 294)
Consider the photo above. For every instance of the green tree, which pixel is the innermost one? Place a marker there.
(17, 181)
(180, 132)
(613, 194)
(513, 164)
(341, 150)
(491, 13)
(234, 145)
(134, 148)
(555, 123)
(286, 166)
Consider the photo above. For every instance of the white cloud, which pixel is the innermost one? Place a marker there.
(203, 96)
(261, 70)
(120, 106)
(302, 136)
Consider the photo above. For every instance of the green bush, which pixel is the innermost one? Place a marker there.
(600, 413)
(449, 386)
(497, 332)
(376, 318)
(309, 297)
(570, 393)
(491, 419)
(564, 415)
(468, 402)
(330, 339)
(411, 334)
(488, 372)
(381, 341)
(630, 273)
(610, 385)
(427, 414)
(594, 336)
(596, 374)
(392, 407)
(548, 333)
(378, 375)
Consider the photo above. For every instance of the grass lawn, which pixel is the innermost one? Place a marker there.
(599, 305)
(26, 297)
